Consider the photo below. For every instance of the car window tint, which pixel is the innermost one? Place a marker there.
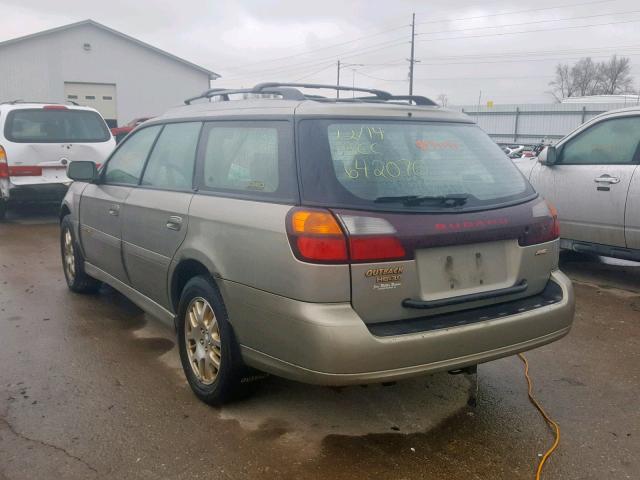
(171, 162)
(242, 158)
(56, 125)
(125, 166)
(609, 142)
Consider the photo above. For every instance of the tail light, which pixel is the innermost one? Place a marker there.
(545, 230)
(317, 237)
(4, 168)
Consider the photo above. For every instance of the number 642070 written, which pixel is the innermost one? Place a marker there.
(362, 168)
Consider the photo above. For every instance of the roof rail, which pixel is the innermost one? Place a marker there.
(378, 93)
(223, 93)
(289, 91)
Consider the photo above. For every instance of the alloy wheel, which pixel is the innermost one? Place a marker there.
(202, 340)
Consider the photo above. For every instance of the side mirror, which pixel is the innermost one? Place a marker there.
(82, 171)
(548, 156)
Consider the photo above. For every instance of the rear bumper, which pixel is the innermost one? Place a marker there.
(36, 192)
(329, 344)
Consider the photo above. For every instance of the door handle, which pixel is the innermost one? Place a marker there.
(114, 210)
(174, 223)
(606, 179)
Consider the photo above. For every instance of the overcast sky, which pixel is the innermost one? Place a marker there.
(464, 46)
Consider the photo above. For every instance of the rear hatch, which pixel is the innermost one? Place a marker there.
(43, 140)
(437, 218)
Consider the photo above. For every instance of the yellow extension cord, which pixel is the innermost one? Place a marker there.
(546, 417)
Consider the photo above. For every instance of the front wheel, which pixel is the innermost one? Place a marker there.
(3, 209)
(73, 262)
(208, 350)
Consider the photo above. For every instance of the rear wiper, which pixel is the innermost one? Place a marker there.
(398, 199)
(451, 200)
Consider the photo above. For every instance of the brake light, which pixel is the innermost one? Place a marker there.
(316, 236)
(54, 107)
(4, 168)
(545, 230)
(375, 248)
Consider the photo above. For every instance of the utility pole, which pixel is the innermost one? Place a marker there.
(345, 65)
(412, 60)
(338, 81)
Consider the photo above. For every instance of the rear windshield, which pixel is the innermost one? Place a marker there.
(55, 126)
(402, 165)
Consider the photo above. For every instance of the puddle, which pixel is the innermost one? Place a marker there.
(307, 415)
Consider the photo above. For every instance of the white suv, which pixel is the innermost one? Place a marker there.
(37, 142)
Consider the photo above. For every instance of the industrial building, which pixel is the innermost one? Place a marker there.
(532, 123)
(94, 65)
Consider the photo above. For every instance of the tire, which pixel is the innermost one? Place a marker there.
(3, 210)
(73, 261)
(205, 340)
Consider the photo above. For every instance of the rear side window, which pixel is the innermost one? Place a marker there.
(250, 159)
(40, 125)
(171, 162)
(125, 165)
(609, 142)
(381, 164)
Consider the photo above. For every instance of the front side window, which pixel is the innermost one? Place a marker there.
(242, 158)
(126, 163)
(609, 142)
(404, 165)
(171, 162)
(55, 125)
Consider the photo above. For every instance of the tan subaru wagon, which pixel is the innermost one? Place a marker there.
(330, 241)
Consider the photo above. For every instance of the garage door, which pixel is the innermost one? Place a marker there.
(101, 96)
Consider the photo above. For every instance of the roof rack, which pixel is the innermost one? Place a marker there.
(18, 101)
(289, 91)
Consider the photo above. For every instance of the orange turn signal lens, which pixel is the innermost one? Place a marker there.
(315, 223)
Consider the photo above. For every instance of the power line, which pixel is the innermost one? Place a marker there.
(529, 31)
(518, 60)
(586, 51)
(317, 61)
(515, 12)
(330, 65)
(531, 22)
(307, 52)
(474, 78)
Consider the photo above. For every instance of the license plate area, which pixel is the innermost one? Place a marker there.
(465, 269)
(55, 172)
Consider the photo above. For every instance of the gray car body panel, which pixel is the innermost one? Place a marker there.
(601, 221)
(290, 317)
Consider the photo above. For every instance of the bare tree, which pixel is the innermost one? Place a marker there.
(586, 77)
(443, 99)
(562, 84)
(615, 76)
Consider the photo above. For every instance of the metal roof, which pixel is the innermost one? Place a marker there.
(212, 75)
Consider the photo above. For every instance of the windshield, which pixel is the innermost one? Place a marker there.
(38, 125)
(405, 165)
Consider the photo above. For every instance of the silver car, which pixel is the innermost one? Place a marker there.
(334, 242)
(592, 176)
